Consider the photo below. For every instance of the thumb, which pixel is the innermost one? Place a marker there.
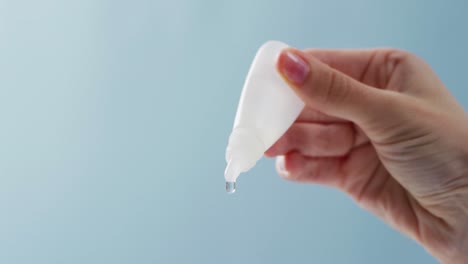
(330, 91)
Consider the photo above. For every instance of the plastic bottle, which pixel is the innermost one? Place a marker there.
(267, 108)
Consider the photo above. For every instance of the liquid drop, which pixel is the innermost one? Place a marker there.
(230, 187)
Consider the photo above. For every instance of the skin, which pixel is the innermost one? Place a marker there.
(380, 126)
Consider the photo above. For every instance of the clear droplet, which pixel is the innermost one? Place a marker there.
(230, 187)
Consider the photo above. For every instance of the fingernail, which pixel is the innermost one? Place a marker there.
(281, 166)
(293, 67)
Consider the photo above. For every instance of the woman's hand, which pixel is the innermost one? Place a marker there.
(380, 126)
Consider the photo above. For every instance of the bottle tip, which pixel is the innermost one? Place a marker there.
(230, 187)
(231, 173)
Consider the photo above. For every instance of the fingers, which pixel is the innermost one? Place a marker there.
(331, 91)
(298, 168)
(314, 116)
(316, 140)
(351, 174)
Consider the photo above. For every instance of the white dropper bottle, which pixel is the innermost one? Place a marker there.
(267, 108)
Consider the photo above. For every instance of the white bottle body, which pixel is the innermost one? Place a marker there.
(267, 108)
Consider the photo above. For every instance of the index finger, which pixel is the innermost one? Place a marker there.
(314, 116)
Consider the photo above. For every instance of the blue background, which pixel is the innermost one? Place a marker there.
(114, 116)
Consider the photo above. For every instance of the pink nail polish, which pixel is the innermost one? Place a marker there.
(293, 67)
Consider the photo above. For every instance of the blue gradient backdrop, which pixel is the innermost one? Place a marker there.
(115, 115)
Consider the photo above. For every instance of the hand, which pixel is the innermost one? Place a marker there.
(380, 126)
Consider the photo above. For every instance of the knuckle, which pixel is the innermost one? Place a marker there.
(395, 58)
(399, 54)
(326, 85)
(337, 88)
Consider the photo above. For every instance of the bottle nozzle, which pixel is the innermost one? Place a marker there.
(232, 172)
